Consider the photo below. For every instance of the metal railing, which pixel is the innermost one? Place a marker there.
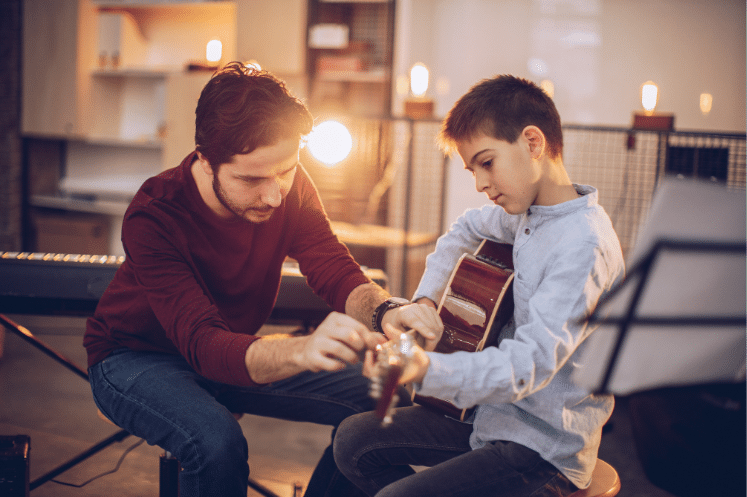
(396, 176)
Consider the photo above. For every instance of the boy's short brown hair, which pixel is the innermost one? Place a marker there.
(501, 107)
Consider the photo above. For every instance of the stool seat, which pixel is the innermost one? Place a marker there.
(604, 482)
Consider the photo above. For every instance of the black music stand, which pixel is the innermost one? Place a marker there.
(638, 278)
(671, 338)
(682, 299)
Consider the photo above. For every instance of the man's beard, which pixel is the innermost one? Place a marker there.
(235, 209)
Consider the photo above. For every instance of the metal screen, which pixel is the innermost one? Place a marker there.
(396, 176)
(627, 165)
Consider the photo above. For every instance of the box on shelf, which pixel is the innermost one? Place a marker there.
(337, 63)
(121, 43)
(72, 233)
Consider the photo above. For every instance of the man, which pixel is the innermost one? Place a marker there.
(172, 347)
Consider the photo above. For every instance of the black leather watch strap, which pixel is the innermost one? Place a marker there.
(385, 306)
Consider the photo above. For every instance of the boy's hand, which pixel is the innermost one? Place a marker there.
(416, 362)
(421, 317)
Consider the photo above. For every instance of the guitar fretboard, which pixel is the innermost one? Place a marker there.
(493, 261)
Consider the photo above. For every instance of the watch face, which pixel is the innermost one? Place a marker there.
(399, 300)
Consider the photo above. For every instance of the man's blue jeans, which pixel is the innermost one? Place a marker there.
(377, 459)
(161, 399)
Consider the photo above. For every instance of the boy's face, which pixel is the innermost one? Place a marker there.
(507, 172)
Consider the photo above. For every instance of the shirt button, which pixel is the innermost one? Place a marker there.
(526, 231)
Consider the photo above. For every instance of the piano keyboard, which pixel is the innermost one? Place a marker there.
(49, 283)
(71, 258)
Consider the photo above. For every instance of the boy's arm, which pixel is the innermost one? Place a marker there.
(547, 337)
(464, 236)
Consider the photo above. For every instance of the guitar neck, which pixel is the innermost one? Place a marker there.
(496, 254)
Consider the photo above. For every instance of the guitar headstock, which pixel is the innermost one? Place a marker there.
(389, 363)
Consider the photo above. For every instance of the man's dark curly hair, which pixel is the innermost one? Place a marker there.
(241, 109)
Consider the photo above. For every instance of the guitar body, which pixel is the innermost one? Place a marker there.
(477, 303)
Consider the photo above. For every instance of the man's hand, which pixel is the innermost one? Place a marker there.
(338, 341)
(421, 317)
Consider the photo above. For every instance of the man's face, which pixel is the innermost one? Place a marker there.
(251, 186)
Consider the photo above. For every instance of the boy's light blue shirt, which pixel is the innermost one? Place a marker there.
(567, 257)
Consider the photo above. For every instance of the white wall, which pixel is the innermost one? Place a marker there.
(597, 53)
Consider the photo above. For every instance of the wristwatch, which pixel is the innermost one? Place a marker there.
(385, 306)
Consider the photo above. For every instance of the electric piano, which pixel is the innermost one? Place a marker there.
(71, 284)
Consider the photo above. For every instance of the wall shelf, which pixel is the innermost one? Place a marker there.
(350, 47)
(136, 72)
(113, 120)
(370, 76)
(92, 206)
(107, 141)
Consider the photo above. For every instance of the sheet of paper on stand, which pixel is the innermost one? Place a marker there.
(664, 344)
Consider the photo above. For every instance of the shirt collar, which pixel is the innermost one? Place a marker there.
(589, 197)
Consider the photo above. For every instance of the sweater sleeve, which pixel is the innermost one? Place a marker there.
(326, 262)
(167, 276)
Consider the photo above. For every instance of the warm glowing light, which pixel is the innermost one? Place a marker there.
(214, 51)
(649, 96)
(330, 142)
(419, 79)
(706, 102)
(253, 63)
(548, 87)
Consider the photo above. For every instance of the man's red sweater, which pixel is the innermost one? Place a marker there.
(198, 285)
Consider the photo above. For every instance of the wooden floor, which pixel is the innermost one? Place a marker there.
(53, 406)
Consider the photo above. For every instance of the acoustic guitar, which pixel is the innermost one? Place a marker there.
(477, 303)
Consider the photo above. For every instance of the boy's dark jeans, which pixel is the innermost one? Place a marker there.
(378, 459)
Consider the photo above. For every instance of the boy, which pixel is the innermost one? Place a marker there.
(534, 432)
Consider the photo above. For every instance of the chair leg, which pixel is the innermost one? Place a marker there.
(261, 489)
(168, 476)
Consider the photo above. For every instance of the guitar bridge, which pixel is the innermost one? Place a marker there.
(457, 339)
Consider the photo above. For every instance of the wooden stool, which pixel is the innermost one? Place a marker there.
(604, 482)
